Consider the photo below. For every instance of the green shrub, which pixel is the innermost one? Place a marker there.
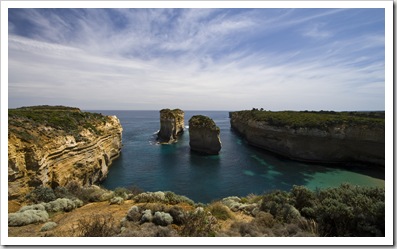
(172, 198)
(351, 211)
(121, 192)
(27, 217)
(41, 194)
(96, 226)
(48, 226)
(220, 211)
(199, 224)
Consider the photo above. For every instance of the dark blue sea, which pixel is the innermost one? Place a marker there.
(238, 170)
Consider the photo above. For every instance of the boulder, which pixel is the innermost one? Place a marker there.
(171, 124)
(204, 135)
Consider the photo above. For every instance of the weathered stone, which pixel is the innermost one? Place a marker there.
(338, 143)
(204, 135)
(40, 154)
(171, 124)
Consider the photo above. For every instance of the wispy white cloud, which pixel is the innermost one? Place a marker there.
(191, 59)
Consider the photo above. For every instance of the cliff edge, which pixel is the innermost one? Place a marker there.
(52, 145)
(328, 137)
(204, 135)
(171, 124)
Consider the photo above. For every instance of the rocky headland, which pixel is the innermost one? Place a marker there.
(171, 124)
(328, 137)
(53, 145)
(204, 135)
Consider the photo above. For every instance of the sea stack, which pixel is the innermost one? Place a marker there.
(171, 124)
(204, 135)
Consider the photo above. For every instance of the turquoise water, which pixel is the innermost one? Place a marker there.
(238, 170)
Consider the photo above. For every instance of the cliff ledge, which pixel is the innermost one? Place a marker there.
(52, 145)
(328, 137)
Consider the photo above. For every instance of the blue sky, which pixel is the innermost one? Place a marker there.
(198, 59)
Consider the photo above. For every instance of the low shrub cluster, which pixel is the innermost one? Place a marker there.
(312, 119)
(96, 226)
(162, 197)
(27, 217)
(343, 211)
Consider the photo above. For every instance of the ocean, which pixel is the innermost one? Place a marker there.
(238, 170)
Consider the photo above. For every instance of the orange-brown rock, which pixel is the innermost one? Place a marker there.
(51, 146)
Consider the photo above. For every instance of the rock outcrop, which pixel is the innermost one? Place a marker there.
(204, 135)
(171, 125)
(51, 146)
(333, 138)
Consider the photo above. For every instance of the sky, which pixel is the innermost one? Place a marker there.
(197, 59)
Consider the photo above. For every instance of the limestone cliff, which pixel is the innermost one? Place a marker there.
(171, 124)
(316, 137)
(204, 135)
(51, 146)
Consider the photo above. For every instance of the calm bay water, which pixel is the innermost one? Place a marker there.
(238, 170)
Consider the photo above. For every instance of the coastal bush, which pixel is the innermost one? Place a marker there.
(48, 226)
(199, 224)
(116, 200)
(41, 194)
(96, 226)
(232, 202)
(351, 211)
(135, 190)
(134, 214)
(245, 229)
(150, 197)
(178, 215)
(278, 203)
(148, 230)
(219, 211)
(94, 193)
(122, 192)
(27, 217)
(69, 119)
(162, 219)
(32, 207)
(172, 198)
(146, 216)
(312, 119)
(62, 204)
(63, 192)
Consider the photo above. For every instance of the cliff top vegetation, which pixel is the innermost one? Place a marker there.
(346, 210)
(173, 112)
(69, 119)
(201, 121)
(314, 119)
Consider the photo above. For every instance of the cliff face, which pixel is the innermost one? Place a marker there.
(51, 146)
(204, 135)
(171, 124)
(337, 142)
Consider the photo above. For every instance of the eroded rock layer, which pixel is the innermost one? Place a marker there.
(171, 124)
(204, 135)
(51, 146)
(316, 137)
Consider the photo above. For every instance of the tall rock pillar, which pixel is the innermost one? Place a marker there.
(204, 135)
(171, 124)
